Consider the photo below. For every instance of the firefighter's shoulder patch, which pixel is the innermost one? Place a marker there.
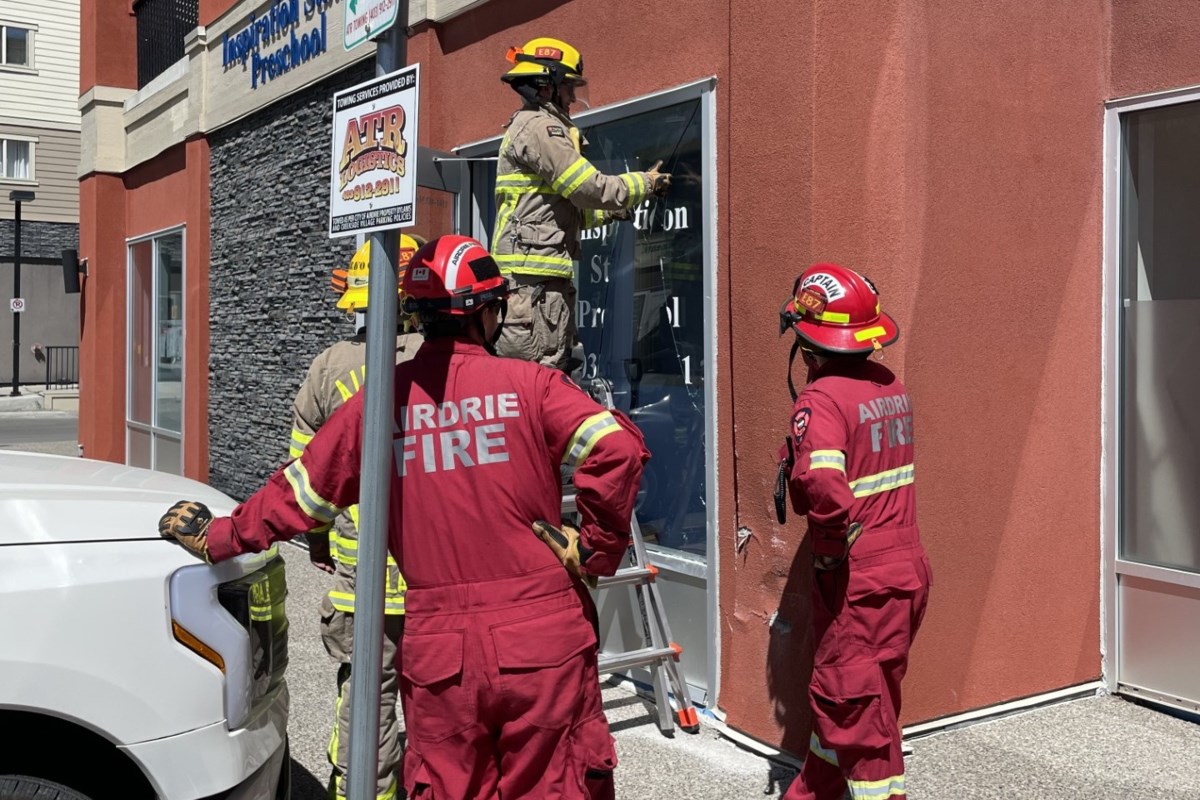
(800, 424)
(556, 130)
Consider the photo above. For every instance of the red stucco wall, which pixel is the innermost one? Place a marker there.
(1154, 46)
(107, 44)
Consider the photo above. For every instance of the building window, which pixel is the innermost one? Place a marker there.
(16, 46)
(154, 406)
(16, 159)
(162, 26)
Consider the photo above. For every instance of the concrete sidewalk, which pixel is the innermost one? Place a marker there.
(1098, 747)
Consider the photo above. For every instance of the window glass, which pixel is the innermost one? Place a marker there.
(16, 46)
(141, 343)
(18, 159)
(641, 314)
(1160, 187)
(169, 322)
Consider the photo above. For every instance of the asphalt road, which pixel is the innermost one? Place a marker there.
(39, 427)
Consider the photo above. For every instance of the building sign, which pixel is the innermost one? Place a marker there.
(367, 18)
(373, 181)
(288, 33)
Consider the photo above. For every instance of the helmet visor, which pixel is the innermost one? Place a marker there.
(575, 91)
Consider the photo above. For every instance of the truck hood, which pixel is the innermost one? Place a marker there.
(48, 499)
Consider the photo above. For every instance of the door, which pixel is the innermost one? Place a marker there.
(1154, 248)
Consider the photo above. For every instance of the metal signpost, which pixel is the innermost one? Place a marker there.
(17, 304)
(374, 190)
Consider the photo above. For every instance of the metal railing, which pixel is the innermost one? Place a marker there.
(162, 26)
(62, 366)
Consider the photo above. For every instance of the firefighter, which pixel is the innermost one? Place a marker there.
(546, 192)
(499, 663)
(334, 376)
(848, 463)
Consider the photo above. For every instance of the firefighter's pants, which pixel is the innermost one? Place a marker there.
(866, 614)
(337, 632)
(500, 683)
(540, 322)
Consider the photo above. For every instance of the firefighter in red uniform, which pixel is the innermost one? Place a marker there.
(498, 665)
(848, 465)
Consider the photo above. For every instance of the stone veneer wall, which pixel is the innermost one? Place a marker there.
(272, 309)
(42, 240)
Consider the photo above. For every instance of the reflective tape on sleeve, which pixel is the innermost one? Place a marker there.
(311, 503)
(593, 429)
(827, 459)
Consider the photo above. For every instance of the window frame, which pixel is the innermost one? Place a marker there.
(32, 141)
(30, 64)
(153, 429)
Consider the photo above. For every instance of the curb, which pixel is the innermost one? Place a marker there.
(26, 402)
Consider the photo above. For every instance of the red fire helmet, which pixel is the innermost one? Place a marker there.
(452, 275)
(835, 309)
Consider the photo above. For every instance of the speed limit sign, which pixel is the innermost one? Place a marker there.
(17, 304)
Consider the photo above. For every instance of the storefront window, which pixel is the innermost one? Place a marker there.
(154, 425)
(641, 315)
(641, 308)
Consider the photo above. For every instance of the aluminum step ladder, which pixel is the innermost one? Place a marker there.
(659, 651)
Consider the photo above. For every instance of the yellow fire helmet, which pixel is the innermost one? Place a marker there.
(352, 283)
(545, 57)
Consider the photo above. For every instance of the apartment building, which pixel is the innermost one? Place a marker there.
(39, 153)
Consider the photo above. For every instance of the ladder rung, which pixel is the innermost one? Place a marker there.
(634, 575)
(635, 658)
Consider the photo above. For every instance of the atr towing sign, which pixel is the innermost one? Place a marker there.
(373, 182)
(368, 18)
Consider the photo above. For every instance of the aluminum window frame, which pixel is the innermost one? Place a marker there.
(668, 560)
(1112, 371)
(153, 429)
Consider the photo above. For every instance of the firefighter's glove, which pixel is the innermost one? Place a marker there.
(564, 542)
(824, 563)
(187, 523)
(620, 215)
(660, 182)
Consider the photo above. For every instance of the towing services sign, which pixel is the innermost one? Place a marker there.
(373, 181)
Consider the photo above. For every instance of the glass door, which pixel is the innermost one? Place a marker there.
(1156, 576)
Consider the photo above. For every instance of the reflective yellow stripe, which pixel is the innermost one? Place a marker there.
(260, 602)
(345, 392)
(520, 258)
(554, 266)
(393, 603)
(574, 185)
(550, 272)
(869, 333)
(311, 503)
(593, 429)
(827, 459)
(814, 744)
(877, 790)
(562, 184)
(637, 185)
(882, 481)
(832, 316)
(300, 440)
(592, 217)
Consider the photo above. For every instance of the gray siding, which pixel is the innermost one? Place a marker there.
(272, 309)
(52, 315)
(55, 163)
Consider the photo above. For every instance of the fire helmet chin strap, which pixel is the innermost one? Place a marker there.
(791, 361)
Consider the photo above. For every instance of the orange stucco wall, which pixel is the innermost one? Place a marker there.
(950, 150)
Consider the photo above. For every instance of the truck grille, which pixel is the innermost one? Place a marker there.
(257, 602)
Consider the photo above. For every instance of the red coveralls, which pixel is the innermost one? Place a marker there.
(852, 436)
(498, 661)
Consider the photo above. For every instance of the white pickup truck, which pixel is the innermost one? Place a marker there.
(128, 668)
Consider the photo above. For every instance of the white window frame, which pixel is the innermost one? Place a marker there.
(153, 428)
(5, 138)
(31, 31)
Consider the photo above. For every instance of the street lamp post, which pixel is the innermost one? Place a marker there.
(17, 197)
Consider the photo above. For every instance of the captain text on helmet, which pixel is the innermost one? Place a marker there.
(847, 463)
(546, 193)
(499, 666)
